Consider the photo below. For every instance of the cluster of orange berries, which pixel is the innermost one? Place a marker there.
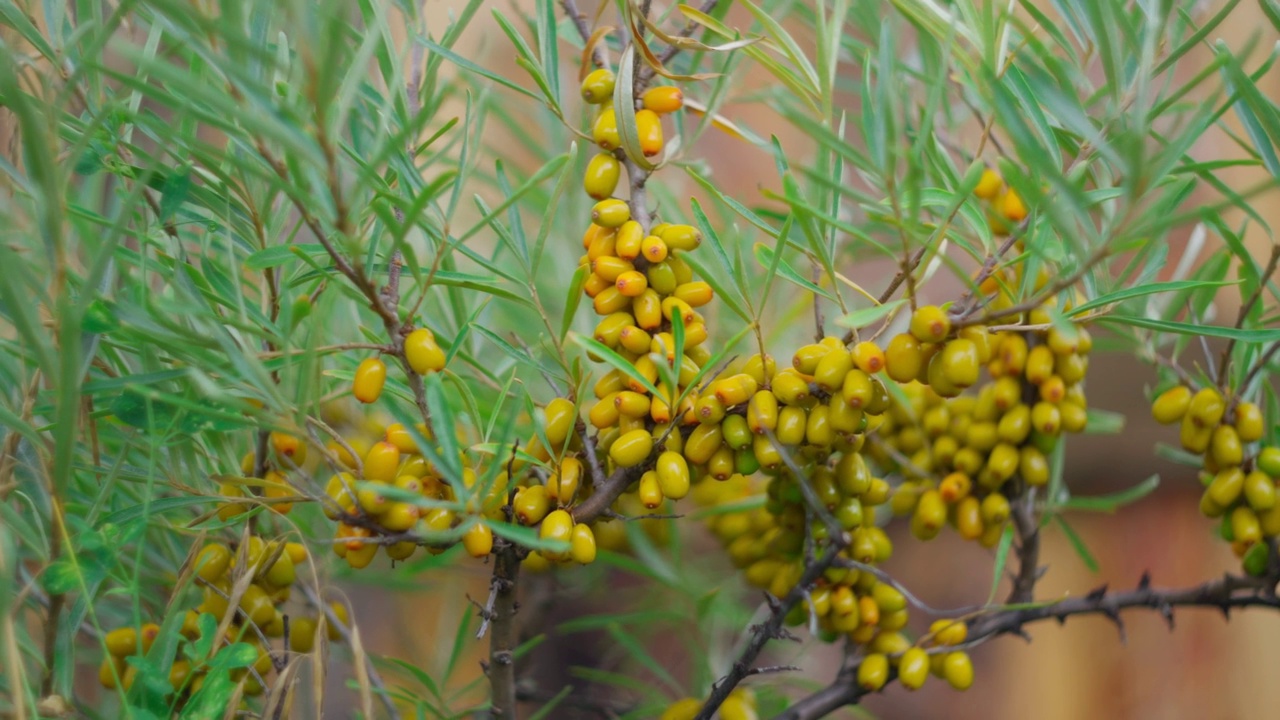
(256, 617)
(1239, 477)
(1004, 206)
(389, 488)
(960, 456)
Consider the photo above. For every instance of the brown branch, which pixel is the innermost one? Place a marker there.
(1225, 594)
(1024, 523)
(647, 72)
(502, 640)
(768, 630)
(1245, 308)
(609, 490)
(580, 21)
(1261, 364)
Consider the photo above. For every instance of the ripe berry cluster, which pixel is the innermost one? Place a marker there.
(1239, 477)
(962, 455)
(257, 617)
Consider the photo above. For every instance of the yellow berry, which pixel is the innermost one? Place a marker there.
(601, 177)
(680, 237)
(605, 129)
(1268, 461)
(868, 357)
(989, 185)
(649, 127)
(1012, 206)
(370, 376)
(1206, 408)
(422, 352)
(913, 668)
(929, 323)
(632, 448)
(302, 634)
(212, 562)
(478, 541)
(957, 668)
(610, 213)
(1249, 422)
(557, 526)
(873, 672)
(582, 548)
(122, 642)
(597, 86)
(382, 462)
(673, 475)
(904, 358)
(663, 99)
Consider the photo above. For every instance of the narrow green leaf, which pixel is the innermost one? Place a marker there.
(614, 360)
(1111, 502)
(866, 316)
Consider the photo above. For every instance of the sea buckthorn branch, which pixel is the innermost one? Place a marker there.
(647, 71)
(1261, 364)
(1027, 528)
(500, 613)
(1225, 594)
(770, 629)
(1224, 364)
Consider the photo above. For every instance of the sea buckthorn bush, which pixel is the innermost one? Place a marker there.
(659, 324)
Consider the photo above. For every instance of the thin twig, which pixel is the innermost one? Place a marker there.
(1028, 530)
(768, 630)
(1224, 366)
(1225, 594)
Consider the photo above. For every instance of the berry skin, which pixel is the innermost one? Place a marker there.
(654, 249)
(904, 358)
(632, 283)
(913, 668)
(597, 86)
(957, 669)
(632, 448)
(478, 541)
(1249, 423)
(582, 546)
(556, 527)
(605, 130)
(680, 237)
(1260, 491)
(302, 634)
(1269, 461)
(212, 562)
(673, 475)
(649, 127)
(868, 357)
(989, 185)
(286, 445)
(610, 213)
(663, 99)
(873, 672)
(370, 376)
(960, 363)
(1012, 206)
(929, 323)
(422, 352)
(1206, 408)
(601, 177)
(122, 642)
